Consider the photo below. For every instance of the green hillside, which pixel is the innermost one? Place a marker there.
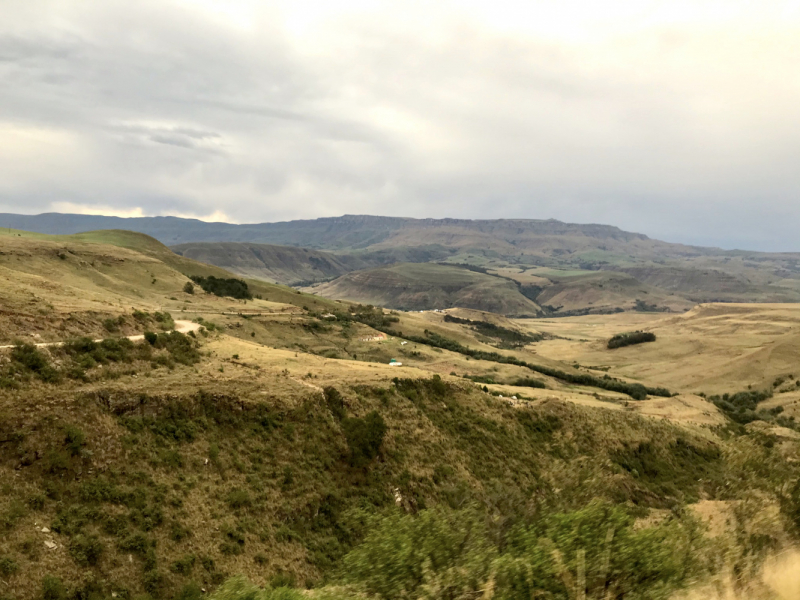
(689, 274)
(430, 286)
(278, 264)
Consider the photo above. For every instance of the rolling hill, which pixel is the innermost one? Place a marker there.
(281, 264)
(411, 286)
(640, 271)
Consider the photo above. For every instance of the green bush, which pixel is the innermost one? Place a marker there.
(85, 549)
(364, 438)
(335, 402)
(183, 566)
(234, 288)
(136, 543)
(238, 588)
(433, 554)
(74, 440)
(509, 337)
(8, 567)
(620, 560)
(28, 358)
(151, 337)
(635, 390)
(188, 288)
(53, 588)
(238, 498)
(628, 339)
(529, 382)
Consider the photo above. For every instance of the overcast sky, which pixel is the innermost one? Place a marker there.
(677, 119)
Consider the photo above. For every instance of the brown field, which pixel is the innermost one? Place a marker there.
(714, 348)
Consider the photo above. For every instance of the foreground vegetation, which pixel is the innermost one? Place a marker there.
(193, 489)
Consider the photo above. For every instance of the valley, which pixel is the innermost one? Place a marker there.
(276, 442)
(564, 269)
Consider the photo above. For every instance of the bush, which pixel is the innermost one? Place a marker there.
(238, 498)
(335, 402)
(183, 566)
(150, 337)
(434, 554)
(234, 288)
(628, 339)
(620, 561)
(28, 357)
(74, 440)
(529, 382)
(364, 438)
(188, 288)
(8, 567)
(85, 549)
(238, 588)
(53, 588)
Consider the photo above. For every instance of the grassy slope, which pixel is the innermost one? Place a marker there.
(714, 348)
(283, 264)
(425, 286)
(104, 242)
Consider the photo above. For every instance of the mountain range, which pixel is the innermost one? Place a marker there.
(513, 266)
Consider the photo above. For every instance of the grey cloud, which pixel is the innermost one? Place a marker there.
(158, 106)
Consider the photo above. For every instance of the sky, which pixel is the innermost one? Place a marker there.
(678, 119)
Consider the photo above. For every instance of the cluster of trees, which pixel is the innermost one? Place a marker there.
(631, 338)
(508, 336)
(233, 288)
(637, 391)
(742, 408)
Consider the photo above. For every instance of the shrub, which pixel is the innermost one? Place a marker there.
(111, 325)
(364, 438)
(152, 582)
(335, 402)
(238, 498)
(85, 549)
(188, 288)
(151, 337)
(53, 588)
(136, 543)
(183, 566)
(628, 339)
(620, 560)
(433, 554)
(529, 382)
(238, 588)
(8, 567)
(234, 288)
(635, 390)
(74, 440)
(164, 319)
(29, 358)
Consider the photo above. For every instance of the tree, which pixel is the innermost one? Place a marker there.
(188, 287)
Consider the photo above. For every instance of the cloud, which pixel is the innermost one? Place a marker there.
(680, 120)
